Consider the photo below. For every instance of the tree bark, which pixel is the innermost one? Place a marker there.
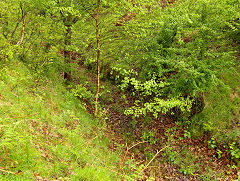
(67, 53)
(98, 58)
(23, 29)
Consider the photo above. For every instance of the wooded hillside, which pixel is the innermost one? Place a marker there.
(119, 90)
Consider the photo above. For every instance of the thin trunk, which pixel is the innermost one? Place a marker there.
(23, 29)
(67, 53)
(15, 29)
(98, 58)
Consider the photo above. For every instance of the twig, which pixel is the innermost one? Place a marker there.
(125, 155)
(131, 148)
(136, 144)
(6, 171)
(153, 158)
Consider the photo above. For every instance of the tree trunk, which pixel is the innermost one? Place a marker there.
(67, 53)
(14, 30)
(98, 58)
(23, 29)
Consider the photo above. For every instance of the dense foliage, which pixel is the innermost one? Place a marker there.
(177, 60)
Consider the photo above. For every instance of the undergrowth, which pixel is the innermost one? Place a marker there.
(45, 131)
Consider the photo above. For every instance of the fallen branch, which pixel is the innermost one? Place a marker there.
(152, 159)
(125, 155)
(6, 171)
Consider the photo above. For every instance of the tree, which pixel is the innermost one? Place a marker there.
(104, 15)
(98, 57)
(69, 15)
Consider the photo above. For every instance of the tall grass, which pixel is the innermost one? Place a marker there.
(46, 133)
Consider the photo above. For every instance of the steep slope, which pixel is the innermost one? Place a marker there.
(45, 133)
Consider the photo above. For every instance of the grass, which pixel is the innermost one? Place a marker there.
(221, 113)
(45, 131)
